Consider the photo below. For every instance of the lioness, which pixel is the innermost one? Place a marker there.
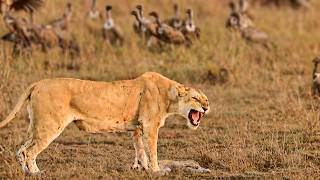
(140, 105)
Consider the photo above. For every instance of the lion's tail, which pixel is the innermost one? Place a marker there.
(18, 106)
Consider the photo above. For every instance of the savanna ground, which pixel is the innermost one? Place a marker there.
(263, 122)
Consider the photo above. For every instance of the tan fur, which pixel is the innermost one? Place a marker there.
(140, 105)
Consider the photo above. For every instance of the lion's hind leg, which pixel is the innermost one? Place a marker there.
(27, 159)
(40, 136)
(28, 153)
(22, 156)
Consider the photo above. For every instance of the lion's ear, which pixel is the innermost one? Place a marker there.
(178, 91)
(173, 93)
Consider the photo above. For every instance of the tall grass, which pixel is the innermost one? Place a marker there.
(263, 121)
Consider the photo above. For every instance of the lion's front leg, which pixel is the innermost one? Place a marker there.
(151, 137)
(141, 158)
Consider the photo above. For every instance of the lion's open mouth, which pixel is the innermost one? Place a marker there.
(195, 116)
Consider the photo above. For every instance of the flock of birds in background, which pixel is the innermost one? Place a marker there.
(24, 33)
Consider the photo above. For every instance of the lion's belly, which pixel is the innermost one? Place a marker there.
(106, 125)
(108, 118)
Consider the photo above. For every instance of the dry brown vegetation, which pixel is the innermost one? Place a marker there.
(263, 122)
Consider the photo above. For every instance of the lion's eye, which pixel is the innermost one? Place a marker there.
(195, 98)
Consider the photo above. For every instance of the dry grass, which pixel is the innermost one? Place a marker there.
(263, 121)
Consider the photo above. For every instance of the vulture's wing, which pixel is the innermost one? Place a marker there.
(26, 5)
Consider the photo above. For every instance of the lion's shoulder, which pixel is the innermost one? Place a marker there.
(152, 75)
(157, 78)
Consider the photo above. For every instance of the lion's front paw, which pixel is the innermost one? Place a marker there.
(136, 166)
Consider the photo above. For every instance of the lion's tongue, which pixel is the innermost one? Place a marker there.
(195, 116)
